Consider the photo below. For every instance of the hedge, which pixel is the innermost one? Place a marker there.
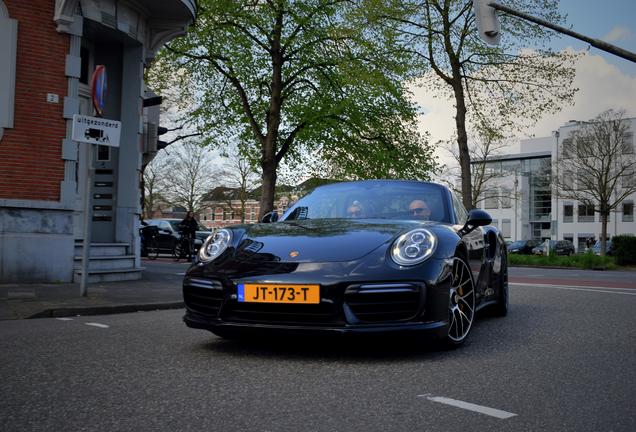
(624, 249)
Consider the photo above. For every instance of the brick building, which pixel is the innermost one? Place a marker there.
(50, 49)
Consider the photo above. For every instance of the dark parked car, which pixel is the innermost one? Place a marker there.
(356, 257)
(560, 247)
(597, 248)
(168, 234)
(523, 247)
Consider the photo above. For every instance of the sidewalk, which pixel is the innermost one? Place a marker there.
(18, 301)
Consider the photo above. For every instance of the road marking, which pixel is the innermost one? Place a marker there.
(97, 325)
(64, 319)
(607, 290)
(180, 274)
(470, 406)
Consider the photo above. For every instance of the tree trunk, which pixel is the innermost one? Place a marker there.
(268, 187)
(462, 142)
(603, 230)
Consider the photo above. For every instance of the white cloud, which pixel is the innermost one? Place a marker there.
(618, 33)
(601, 86)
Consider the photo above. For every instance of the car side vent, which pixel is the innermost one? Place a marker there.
(384, 302)
(203, 296)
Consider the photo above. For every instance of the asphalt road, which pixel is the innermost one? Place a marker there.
(563, 360)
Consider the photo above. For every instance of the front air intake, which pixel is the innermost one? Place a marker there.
(384, 302)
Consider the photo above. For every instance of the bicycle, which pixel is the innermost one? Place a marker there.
(149, 241)
(181, 247)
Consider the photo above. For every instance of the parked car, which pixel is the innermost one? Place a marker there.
(168, 235)
(560, 247)
(422, 269)
(523, 247)
(597, 248)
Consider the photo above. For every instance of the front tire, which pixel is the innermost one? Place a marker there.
(461, 304)
(500, 308)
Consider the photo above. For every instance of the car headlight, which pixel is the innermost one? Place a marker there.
(215, 245)
(413, 247)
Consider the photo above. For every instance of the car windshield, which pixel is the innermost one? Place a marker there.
(517, 244)
(373, 200)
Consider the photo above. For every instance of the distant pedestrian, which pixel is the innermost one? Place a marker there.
(188, 228)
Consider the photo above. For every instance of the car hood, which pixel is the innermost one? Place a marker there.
(323, 240)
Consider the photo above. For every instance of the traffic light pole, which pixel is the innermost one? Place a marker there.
(613, 49)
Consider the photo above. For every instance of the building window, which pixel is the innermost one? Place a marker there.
(567, 148)
(506, 195)
(495, 223)
(568, 213)
(628, 211)
(586, 213)
(8, 50)
(491, 200)
(505, 227)
(628, 143)
(628, 179)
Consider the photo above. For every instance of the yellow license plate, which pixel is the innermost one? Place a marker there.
(278, 293)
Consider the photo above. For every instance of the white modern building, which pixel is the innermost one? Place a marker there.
(523, 202)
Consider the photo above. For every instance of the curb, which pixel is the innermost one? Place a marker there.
(105, 310)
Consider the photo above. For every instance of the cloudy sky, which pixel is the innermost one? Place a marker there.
(604, 80)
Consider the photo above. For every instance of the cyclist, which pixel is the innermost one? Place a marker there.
(188, 228)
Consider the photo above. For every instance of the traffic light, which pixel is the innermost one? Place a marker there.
(487, 22)
(160, 131)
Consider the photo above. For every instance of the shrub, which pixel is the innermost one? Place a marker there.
(584, 261)
(624, 249)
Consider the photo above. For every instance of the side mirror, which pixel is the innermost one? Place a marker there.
(476, 218)
(270, 217)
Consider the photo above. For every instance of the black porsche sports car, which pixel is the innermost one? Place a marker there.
(368, 256)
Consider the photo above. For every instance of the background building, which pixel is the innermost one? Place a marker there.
(52, 49)
(524, 204)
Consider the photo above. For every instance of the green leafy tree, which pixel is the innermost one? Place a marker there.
(286, 78)
(499, 90)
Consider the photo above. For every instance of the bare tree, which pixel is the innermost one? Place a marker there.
(484, 182)
(596, 165)
(240, 175)
(190, 174)
(153, 186)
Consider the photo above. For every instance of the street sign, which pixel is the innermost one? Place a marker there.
(99, 86)
(95, 130)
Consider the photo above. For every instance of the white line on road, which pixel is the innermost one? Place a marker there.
(180, 274)
(64, 319)
(470, 406)
(97, 325)
(623, 291)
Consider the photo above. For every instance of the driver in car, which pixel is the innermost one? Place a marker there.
(418, 209)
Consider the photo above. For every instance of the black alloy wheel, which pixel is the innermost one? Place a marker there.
(461, 304)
